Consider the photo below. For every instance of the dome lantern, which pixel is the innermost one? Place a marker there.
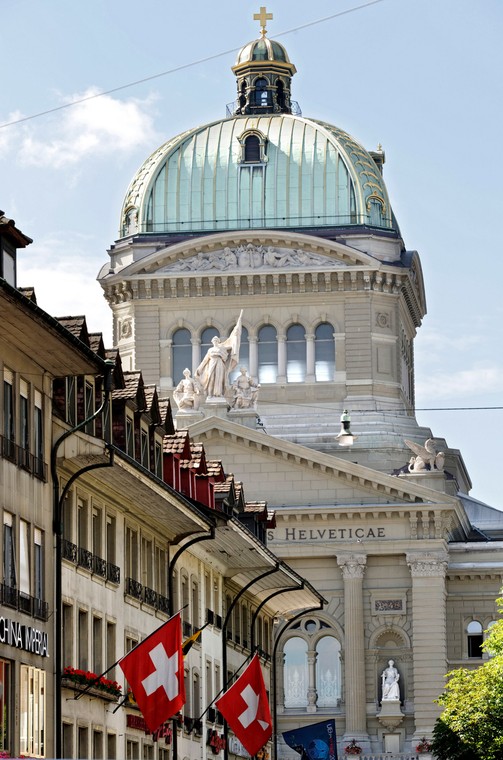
(263, 74)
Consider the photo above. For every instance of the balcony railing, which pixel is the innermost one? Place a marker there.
(99, 566)
(85, 559)
(18, 600)
(69, 551)
(113, 573)
(150, 596)
(134, 588)
(163, 603)
(231, 108)
(23, 458)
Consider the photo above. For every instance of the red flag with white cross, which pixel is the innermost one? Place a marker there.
(245, 707)
(154, 670)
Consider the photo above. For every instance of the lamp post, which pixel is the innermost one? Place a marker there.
(345, 436)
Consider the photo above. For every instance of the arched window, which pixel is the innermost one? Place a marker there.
(474, 638)
(207, 334)
(252, 149)
(244, 355)
(195, 604)
(295, 673)
(196, 695)
(181, 354)
(261, 94)
(267, 354)
(324, 352)
(295, 354)
(328, 671)
(280, 94)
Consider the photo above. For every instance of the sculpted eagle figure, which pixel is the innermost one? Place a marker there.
(426, 454)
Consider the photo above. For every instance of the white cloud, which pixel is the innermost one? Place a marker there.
(94, 127)
(478, 381)
(64, 276)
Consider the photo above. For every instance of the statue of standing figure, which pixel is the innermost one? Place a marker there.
(390, 677)
(213, 372)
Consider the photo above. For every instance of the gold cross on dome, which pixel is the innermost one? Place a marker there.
(263, 17)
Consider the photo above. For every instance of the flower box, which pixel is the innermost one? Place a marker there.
(96, 686)
(353, 748)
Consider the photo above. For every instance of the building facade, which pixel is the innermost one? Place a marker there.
(288, 219)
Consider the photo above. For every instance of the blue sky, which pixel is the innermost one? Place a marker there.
(423, 78)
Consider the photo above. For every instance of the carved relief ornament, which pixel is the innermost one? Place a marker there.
(352, 565)
(427, 566)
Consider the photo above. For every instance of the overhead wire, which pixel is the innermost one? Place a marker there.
(181, 67)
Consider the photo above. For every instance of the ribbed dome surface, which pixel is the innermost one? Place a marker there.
(314, 174)
(262, 49)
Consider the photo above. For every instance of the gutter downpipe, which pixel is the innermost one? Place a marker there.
(58, 531)
(275, 680)
(238, 596)
(171, 567)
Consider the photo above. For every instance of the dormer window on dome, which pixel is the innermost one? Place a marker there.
(253, 147)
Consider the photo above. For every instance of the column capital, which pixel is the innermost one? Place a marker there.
(353, 565)
(423, 565)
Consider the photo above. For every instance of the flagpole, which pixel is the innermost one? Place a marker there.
(97, 679)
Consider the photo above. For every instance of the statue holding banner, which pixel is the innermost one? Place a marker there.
(223, 356)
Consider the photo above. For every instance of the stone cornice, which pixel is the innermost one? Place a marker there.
(351, 474)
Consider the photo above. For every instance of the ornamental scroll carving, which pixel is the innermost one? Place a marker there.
(353, 566)
(427, 566)
(251, 257)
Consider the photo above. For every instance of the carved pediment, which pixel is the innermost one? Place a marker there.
(249, 257)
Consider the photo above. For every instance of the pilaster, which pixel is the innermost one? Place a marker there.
(429, 635)
(353, 570)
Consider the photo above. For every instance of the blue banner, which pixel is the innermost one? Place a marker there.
(314, 742)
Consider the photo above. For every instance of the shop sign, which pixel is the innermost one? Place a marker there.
(138, 722)
(23, 637)
(236, 748)
(216, 742)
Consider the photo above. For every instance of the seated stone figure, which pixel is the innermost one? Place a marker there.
(186, 393)
(245, 391)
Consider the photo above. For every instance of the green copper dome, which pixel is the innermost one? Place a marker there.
(275, 170)
(262, 49)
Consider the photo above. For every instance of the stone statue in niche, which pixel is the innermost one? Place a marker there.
(390, 677)
(244, 391)
(213, 372)
(187, 393)
(426, 456)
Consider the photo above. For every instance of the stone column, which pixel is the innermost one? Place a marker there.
(281, 359)
(353, 570)
(196, 353)
(253, 368)
(310, 369)
(312, 694)
(166, 379)
(428, 636)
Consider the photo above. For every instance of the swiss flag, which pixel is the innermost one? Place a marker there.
(154, 670)
(245, 707)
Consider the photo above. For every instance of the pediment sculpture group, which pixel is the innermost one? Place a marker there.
(251, 256)
(211, 378)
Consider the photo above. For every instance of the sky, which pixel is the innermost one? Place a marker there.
(421, 77)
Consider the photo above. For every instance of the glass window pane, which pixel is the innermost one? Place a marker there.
(328, 671)
(182, 354)
(295, 354)
(267, 354)
(324, 352)
(295, 674)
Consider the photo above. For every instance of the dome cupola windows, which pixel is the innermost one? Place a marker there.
(263, 75)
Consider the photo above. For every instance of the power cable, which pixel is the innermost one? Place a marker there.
(181, 67)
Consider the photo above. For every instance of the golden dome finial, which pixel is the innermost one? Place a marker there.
(263, 17)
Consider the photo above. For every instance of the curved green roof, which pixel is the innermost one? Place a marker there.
(313, 174)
